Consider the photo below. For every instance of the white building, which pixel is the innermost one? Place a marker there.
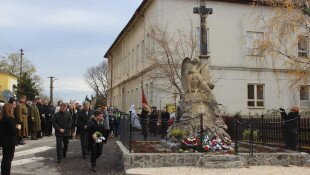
(241, 85)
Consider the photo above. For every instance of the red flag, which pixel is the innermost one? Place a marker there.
(143, 97)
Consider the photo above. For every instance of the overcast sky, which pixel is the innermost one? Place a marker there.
(62, 38)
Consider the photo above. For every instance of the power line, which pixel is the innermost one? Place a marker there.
(71, 38)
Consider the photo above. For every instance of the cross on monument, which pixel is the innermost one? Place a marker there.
(204, 12)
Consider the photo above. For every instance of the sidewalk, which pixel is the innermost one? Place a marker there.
(253, 170)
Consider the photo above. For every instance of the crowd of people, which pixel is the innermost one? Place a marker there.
(20, 119)
(151, 118)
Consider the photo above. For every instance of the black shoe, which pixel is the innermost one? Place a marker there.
(21, 143)
(93, 168)
(34, 138)
(59, 160)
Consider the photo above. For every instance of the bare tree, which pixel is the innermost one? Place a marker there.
(96, 78)
(286, 37)
(11, 63)
(171, 49)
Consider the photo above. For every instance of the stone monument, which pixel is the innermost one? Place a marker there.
(197, 99)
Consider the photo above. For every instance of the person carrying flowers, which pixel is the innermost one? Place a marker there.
(96, 131)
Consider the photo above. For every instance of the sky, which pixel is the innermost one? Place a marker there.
(62, 38)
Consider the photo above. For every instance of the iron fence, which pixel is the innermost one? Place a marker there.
(266, 131)
(129, 135)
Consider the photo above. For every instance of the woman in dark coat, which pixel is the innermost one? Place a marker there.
(9, 130)
(95, 125)
(290, 128)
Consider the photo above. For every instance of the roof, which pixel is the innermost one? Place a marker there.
(139, 12)
(7, 72)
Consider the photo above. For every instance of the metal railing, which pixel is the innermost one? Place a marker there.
(129, 134)
(269, 132)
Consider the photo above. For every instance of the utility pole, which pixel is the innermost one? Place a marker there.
(51, 87)
(21, 65)
(20, 69)
(203, 12)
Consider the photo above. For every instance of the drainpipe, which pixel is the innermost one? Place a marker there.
(111, 60)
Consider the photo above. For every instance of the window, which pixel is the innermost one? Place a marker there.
(303, 46)
(142, 52)
(304, 96)
(136, 98)
(198, 40)
(256, 95)
(253, 40)
(137, 55)
(151, 93)
(146, 91)
(133, 58)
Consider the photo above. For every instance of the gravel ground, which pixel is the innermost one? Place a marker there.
(254, 170)
(109, 163)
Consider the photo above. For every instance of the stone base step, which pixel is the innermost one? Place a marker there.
(221, 161)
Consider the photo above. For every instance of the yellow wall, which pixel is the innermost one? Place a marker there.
(7, 81)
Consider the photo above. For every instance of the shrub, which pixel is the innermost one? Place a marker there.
(247, 133)
(177, 133)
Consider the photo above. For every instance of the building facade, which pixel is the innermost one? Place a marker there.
(242, 85)
(8, 82)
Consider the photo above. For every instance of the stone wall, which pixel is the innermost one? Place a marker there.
(273, 159)
(210, 160)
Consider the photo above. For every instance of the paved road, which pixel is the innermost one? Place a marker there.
(39, 158)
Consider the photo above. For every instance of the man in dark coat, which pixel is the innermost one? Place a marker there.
(165, 116)
(42, 117)
(62, 123)
(143, 118)
(290, 129)
(153, 120)
(82, 119)
(50, 123)
(47, 117)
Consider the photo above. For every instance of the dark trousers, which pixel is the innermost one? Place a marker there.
(153, 126)
(95, 153)
(78, 130)
(144, 128)
(290, 138)
(43, 131)
(84, 142)
(7, 157)
(164, 128)
(50, 127)
(61, 150)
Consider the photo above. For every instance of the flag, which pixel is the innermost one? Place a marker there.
(143, 97)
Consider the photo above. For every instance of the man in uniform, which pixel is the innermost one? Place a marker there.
(21, 112)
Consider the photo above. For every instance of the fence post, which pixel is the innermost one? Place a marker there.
(262, 130)
(130, 131)
(251, 136)
(299, 133)
(201, 132)
(236, 134)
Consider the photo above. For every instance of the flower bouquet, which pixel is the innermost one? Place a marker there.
(191, 141)
(98, 138)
